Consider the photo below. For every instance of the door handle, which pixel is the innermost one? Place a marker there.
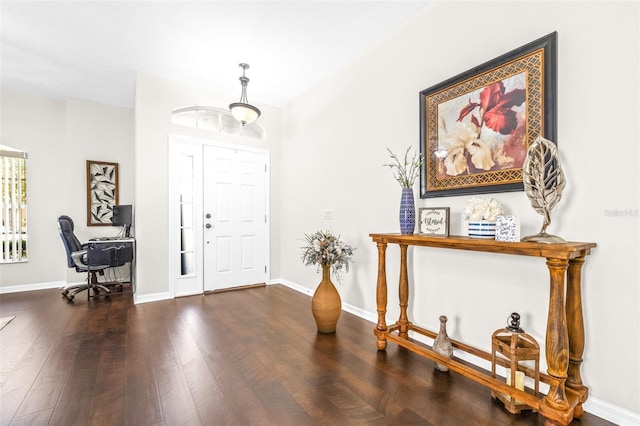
(208, 225)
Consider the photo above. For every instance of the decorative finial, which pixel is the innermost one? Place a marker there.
(514, 323)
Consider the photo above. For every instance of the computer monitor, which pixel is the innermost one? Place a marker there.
(123, 216)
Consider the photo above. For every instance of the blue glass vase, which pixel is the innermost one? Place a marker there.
(407, 212)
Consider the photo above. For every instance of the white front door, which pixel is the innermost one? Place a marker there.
(235, 225)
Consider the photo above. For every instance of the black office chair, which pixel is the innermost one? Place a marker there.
(77, 258)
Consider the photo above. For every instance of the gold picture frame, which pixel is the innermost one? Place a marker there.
(476, 127)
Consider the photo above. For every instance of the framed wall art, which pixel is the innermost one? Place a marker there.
(434, 221)
(102, 192)
(476, 127)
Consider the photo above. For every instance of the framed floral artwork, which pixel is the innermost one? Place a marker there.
(476, 127)
(102, 192)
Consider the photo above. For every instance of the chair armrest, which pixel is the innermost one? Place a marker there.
(82, 262)
(80, 258)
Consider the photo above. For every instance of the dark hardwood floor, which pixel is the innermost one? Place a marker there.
(248, 357)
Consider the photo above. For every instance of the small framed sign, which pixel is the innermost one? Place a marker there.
(507, 228)
(434, 221)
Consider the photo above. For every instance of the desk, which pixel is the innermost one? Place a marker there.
(565, 325)
(112, 253)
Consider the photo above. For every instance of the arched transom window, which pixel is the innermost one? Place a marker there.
(216, 120)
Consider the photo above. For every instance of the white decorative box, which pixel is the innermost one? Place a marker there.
(507, 228)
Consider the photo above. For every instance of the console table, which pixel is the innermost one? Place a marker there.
(564, 341)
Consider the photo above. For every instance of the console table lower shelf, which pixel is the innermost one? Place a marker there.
(564, 340)
(527, 396)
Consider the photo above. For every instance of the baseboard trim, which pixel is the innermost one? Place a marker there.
(595, 406)
(152, 297)
(292, 285)
(31, 287)
(612, 413)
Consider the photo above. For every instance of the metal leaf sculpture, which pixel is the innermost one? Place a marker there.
(544, 182)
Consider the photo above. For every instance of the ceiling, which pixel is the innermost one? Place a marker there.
(91, 50)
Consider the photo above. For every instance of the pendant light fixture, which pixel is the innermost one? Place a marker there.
(243, 111)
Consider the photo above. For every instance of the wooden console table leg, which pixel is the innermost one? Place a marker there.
(575, 324)
(555, 405)
(381, 298)
(403, 293)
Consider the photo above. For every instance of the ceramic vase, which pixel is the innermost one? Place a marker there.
(407, 212)
(482, 229)
(442, 343)
(326, 304)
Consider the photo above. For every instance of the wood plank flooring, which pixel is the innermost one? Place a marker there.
(249, 357)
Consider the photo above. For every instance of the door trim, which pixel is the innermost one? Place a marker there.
(173, 140)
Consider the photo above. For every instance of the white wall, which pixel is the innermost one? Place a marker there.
(334, 141)
(155, 99)
(59, 136)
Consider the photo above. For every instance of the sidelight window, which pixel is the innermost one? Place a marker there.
(187, 220)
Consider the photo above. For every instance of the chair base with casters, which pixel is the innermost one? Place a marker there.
(69, 292)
